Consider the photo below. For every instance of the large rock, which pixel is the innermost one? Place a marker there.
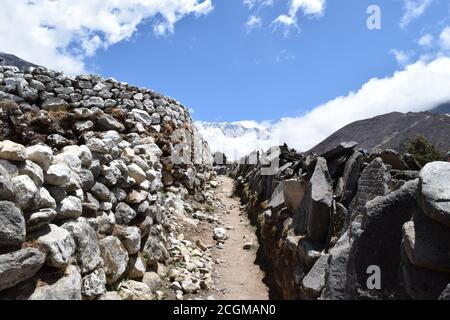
(70, 208)
(87, 248)
(41, 155)
(435, 191)
(350, 178)
(154, 250)
(314, 281)
(12, 151)
(94, 284)
(19, 266)
(313, 218)
(427, 243)
(152, 280)
(336, 275)
(40, 218)
(115, 258)
(31, 169)
(420, 283)
(130, 238)
(66, 288)
(378, 240)
(58, 174)
(343, 149)
(293, 192)
(134, 290)
(6, 186)
(105, 122)
(372, 183)
(12, 225)
(124, 213)
(57, 243)
(27, 194)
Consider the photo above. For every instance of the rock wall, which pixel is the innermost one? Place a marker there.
(95, 176)
(348, 225)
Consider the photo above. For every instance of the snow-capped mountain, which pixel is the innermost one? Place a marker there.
(236, 139)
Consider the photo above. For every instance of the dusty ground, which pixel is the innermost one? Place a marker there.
(236, 275)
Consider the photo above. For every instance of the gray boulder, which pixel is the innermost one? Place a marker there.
(66, 288)
(12, 151)
(57, 243)
(19, 266)
(87, 247)
(427, 243)
(435, 191)
(6, 186)
(378, 240)
(314, 281)
(58, 174)
(115, 258)
(12, 225)
(94, 284)
(350, 178)
(130, 238)
(124, 213)
(70, 208)
(336, 275)
(27, 194)
(40, 218)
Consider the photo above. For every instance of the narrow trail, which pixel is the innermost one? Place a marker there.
(239, 276)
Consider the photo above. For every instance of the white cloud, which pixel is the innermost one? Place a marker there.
(403, 58)
(426, 40)
(413, 9)
(253, 22)
(403, 92)
(288, 22)
(445, 39)
(61, 34)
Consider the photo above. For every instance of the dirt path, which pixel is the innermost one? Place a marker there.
(238, 275)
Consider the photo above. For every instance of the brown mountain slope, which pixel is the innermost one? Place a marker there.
(392, 130)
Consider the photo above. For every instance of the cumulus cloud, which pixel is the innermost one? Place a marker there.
(61, 34)
(403, 91)
(413, 9)
(288, 22)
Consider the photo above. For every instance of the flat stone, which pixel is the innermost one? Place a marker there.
(18, 266)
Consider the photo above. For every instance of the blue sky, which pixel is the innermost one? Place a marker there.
(216, 66)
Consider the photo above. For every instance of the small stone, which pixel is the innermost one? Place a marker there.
(220, 234)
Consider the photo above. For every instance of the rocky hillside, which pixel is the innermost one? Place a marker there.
(96, 179)
(392, 131)
(11, 60)
(345, 225)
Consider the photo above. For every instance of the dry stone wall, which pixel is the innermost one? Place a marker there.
(94, 174)
(350, 225)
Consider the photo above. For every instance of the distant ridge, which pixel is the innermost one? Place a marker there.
(12, 60)
(392, 130)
